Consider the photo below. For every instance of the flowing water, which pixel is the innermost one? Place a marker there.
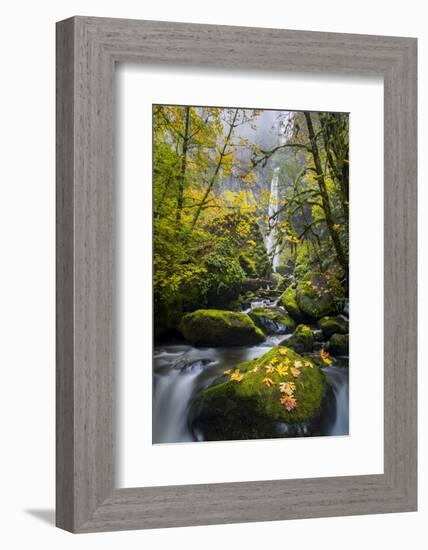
(182, 370)
(338, 423)
(271, 245)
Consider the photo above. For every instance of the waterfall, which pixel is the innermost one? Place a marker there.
(171, 404)
(273, 205)
(339, 380)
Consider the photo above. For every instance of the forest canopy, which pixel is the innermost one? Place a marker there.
(244, 196)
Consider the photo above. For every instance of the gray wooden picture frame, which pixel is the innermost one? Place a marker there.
(87, 50)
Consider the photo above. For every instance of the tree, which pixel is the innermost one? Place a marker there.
(310, 205)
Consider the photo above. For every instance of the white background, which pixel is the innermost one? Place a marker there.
(140, 87)
(27, 286)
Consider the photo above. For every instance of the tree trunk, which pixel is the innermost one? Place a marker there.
(182, 175)
(216, 171)
(340, 253)
(340, 168)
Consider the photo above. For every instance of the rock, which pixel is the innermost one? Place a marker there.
(289, 301)
(318, 335)
(318, 294)
(272, 320)
(346, 308)
(318, 346)
(338, 344)
(192, 367)
(212, 327)
(302, 339)
(333, 325)
(252, 285)
(249, 406)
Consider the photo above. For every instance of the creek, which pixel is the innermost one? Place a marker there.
(181, 371)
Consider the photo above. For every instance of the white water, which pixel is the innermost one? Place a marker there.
(170, 407)
(339, 380)
(271, 245)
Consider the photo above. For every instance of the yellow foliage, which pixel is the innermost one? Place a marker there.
(282, 370)
(236, 375)
(269, 382)
(287, 387)
(295, 372)
(289, 402)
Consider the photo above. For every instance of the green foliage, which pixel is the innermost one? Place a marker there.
(223, 269)
(208, 234)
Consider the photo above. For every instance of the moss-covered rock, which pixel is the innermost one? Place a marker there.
(254, 399)
(278, 281)
(318, 336)
(289, 301)
(338, 344)
(212, 327)
(302, 339)
(333, 325)
(272, 320)
(319, 294)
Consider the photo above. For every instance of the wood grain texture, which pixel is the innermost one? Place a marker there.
(87, 49)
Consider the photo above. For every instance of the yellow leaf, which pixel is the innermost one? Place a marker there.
(287, 387)
(325, 357)
(295, 372)
(289, 402)
(282, 370)
(270, 368)
(236, 375)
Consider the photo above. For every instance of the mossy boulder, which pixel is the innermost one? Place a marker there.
(289, 301)
(338, 344)
(302, 339)
(250, 403)
(213, 327)
(272, 320)
(319, 294)
(333, 325)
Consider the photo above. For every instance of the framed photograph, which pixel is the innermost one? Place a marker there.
(236, 274)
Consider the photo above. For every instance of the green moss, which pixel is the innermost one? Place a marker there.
(338, 344)
(278, 280)
(249, 408)
(248, 264)
(211, 327)
(318, 294)
(289, 301)
(266, 319)
(333, 325)
(302, 339)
